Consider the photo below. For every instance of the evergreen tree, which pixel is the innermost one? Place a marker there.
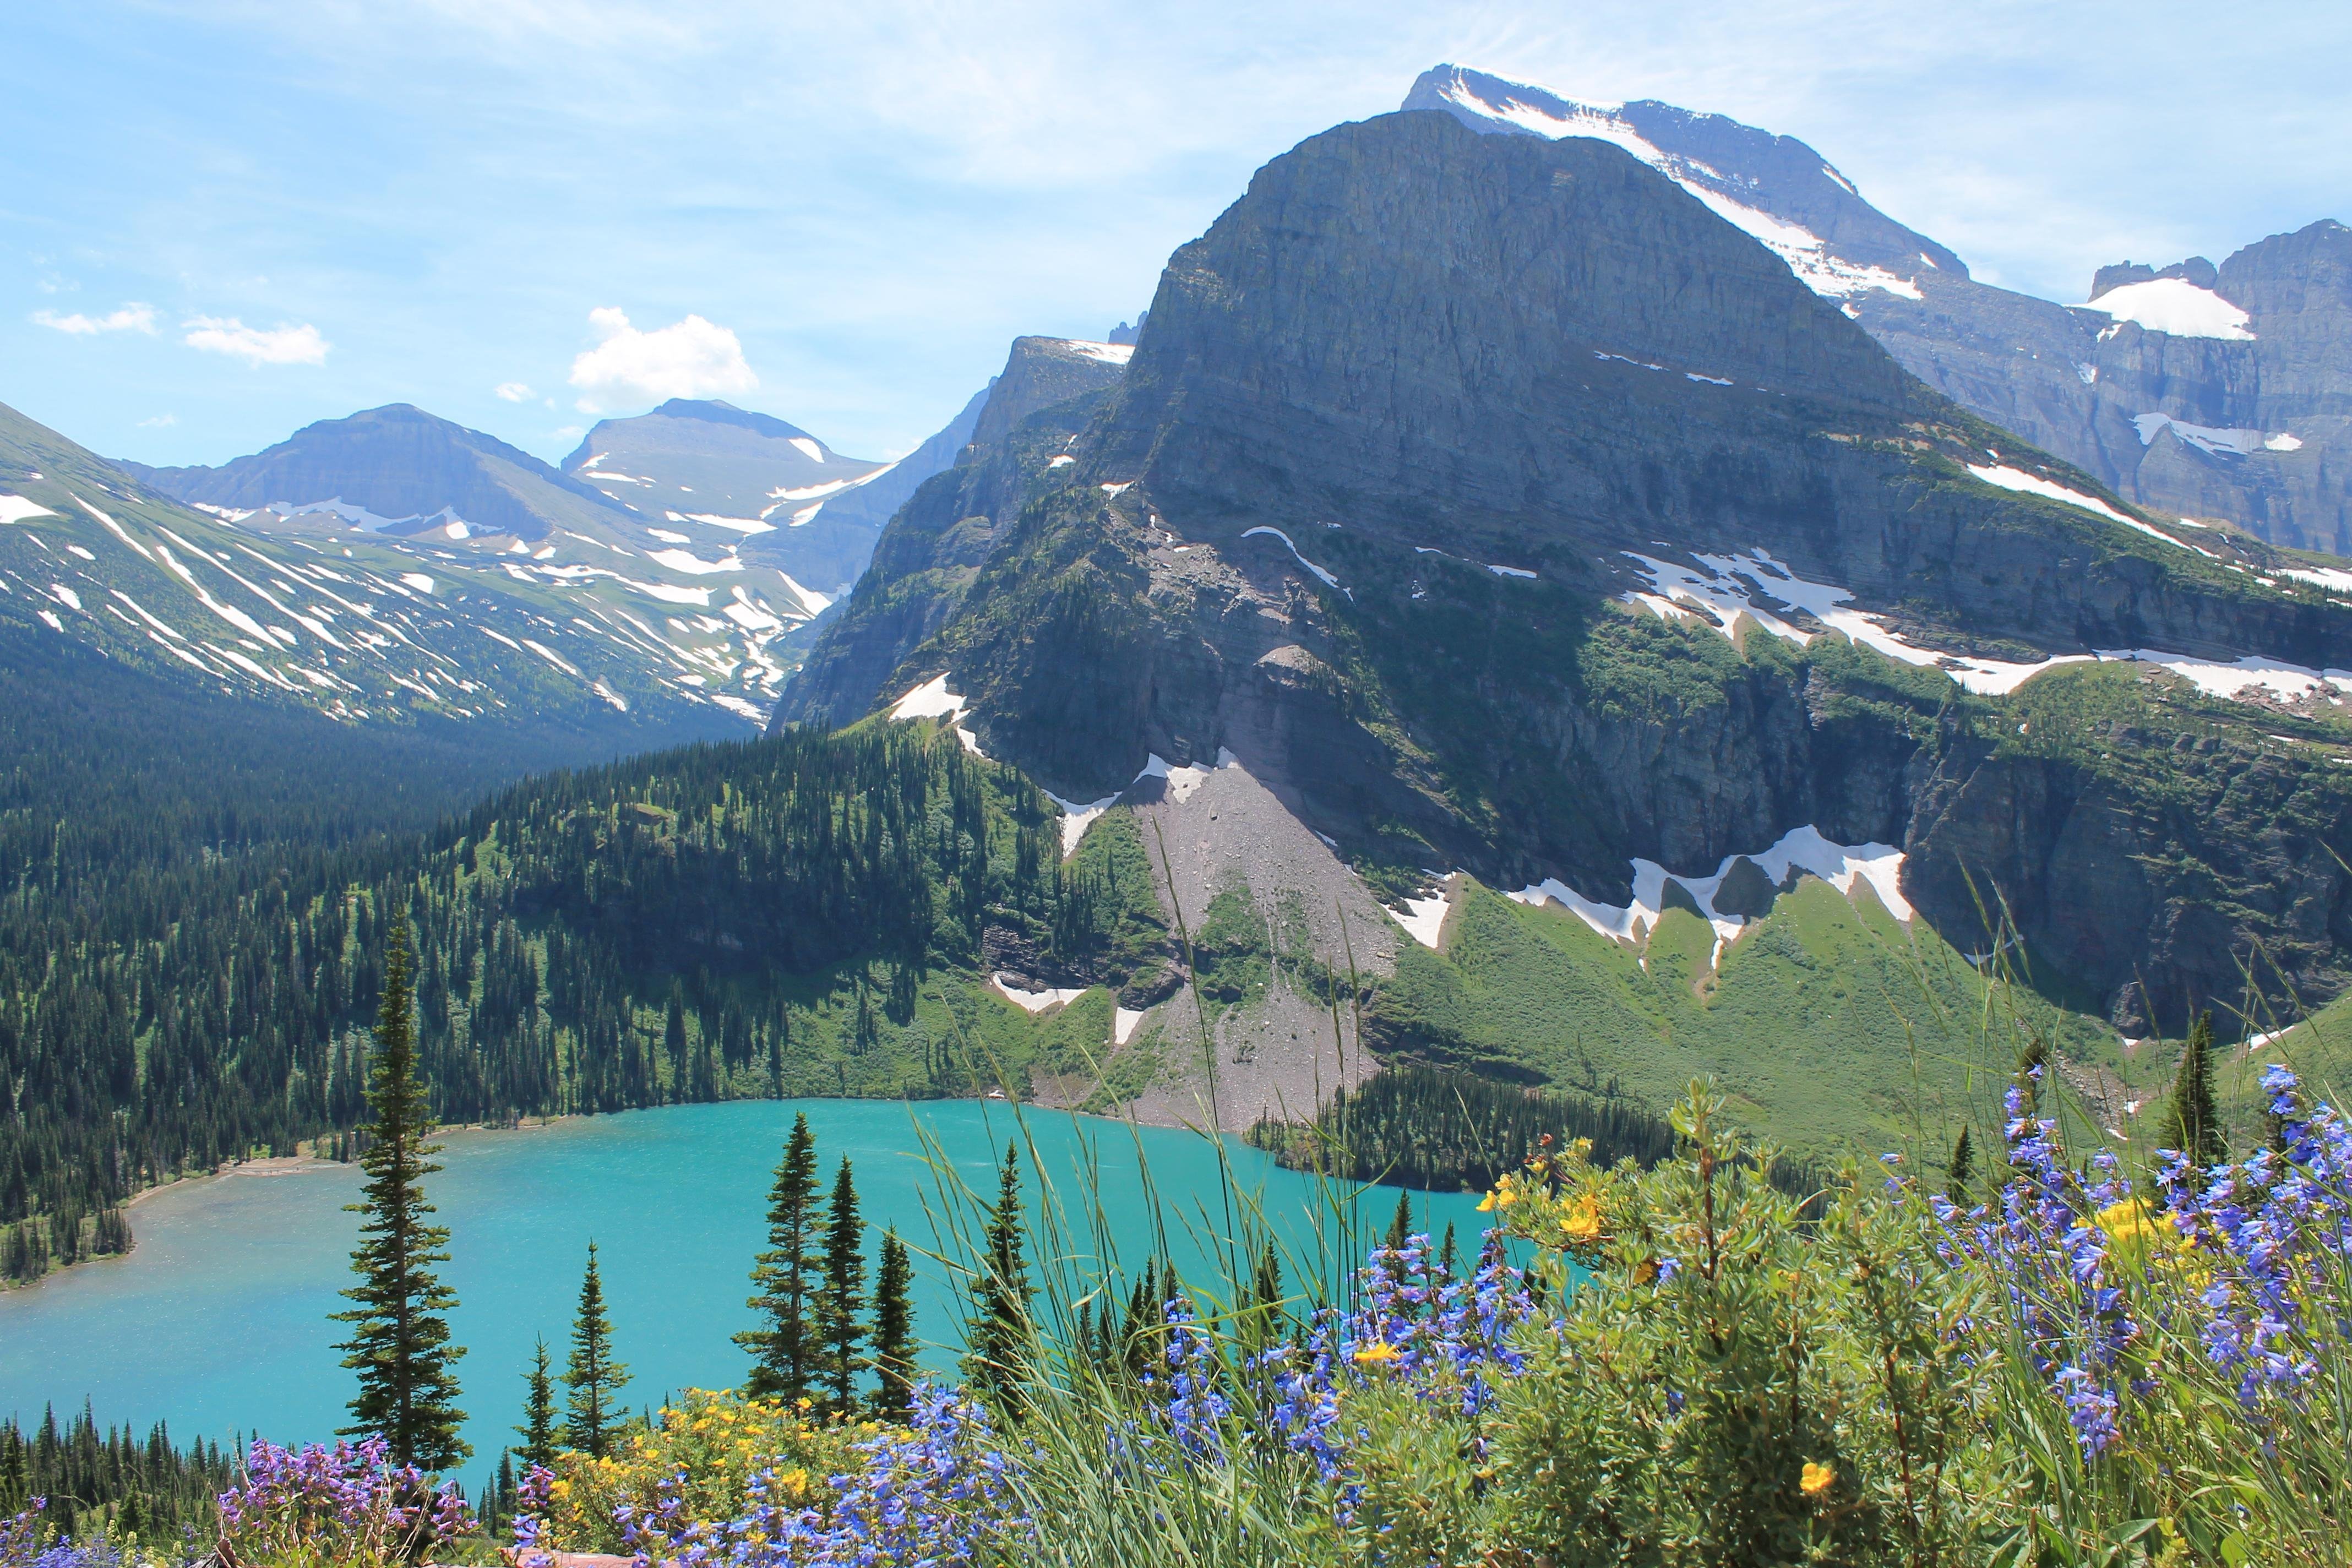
(2191, 1123)
(591, 1414)
(1956, 1170)
(997, 1331)
(1261, 1322)
(538, 1428)
(1401, 1228)
(894, 1328)
(841, 1295)
(784, 1350)
(400, 1332)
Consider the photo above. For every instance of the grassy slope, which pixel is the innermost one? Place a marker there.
(1828, 1022)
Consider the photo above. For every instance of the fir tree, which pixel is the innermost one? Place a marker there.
(784, 1350)
(1957, 1170)
(997, 1331)
(591, 1413)
(894, 1328)
(400, 1332)
(538, 1428)
(2191, 1124)
(841, 1295)
(1401, 1228)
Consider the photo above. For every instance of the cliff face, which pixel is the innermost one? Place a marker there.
(1502, 507)
(948, 527)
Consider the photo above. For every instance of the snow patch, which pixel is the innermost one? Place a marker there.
(686, 561)
(2252, 673)
(1077, 818)
(1107, 354)
(1725, 587)
(740, 524)
(2281, 442)
(1180, 782)
(2329, 577)
(1124, 1021)
(2002, 477)
(2175, 306)
(418, 581)
(1034, 1001)
(1802, 848)
(16, 508)
(1424, 918)
(1328, 579)
(2233, 442)
(807, 448)
(1062, 461)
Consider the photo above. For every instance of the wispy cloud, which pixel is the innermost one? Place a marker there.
(282, 344)
(691, 358)
(132, 318)
(514, 392)
(160, 422)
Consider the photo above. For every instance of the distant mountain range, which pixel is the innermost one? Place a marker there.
(2220, 394)
(706, 537)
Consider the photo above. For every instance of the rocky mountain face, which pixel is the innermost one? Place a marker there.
(2218, 392)
(1505, 506)
(374, 630)
(951, 526)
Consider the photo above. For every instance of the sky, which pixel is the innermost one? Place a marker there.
(222, 219)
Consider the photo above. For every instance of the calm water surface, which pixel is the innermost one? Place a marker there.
(218, 1322)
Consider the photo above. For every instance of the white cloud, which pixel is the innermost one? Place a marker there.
(281, 344)
(515, 392)
(159, 422)
(692, 358)
(132, 318)
(568, 432)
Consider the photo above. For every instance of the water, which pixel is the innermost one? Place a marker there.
(218, 1322)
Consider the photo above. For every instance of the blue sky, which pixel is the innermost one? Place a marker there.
(222, 220)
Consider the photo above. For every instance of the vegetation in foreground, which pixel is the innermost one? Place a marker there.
(2053, 1360)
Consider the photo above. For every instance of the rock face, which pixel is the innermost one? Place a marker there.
(396, 469)
(1489, 498)
(949, 527)
(2235, 409)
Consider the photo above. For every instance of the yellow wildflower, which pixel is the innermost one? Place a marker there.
(1817, 1478)
(1376, 1352)
(1582, 1220)
(1506, 1194)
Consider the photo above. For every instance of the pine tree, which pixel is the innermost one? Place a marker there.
(1956, 1170)
(400, 1331)
(997, 1333)
(2191, 1124)
(1401, 1228)
(841, 1295)
(1261, 1322)
(591, 1413)
(538, 1428)
(894, 1328)
(784, 1278)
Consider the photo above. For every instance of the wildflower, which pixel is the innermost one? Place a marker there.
(1376, 1353)
(1817, 1479)
(1582, 1221)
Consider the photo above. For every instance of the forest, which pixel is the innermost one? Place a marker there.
(189, 958)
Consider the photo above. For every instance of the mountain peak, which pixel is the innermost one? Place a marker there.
(1775, 188)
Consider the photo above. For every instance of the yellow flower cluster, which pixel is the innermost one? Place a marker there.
(717, 1441)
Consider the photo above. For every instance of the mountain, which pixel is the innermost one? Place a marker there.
(768, 490)
(366, 629)
(2214, 393)
(1493, 515)
(700, 608)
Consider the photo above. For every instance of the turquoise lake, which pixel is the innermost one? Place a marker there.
(218, 1322)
